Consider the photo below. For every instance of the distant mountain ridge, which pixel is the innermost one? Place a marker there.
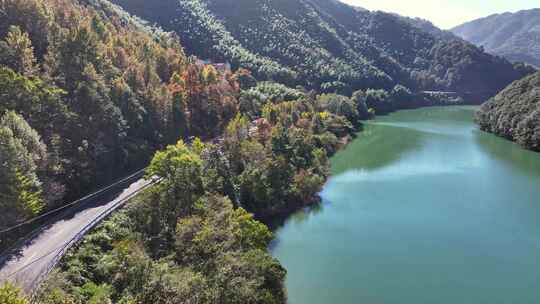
(515, 36)
(328, 45)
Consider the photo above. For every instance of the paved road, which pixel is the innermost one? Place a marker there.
(34, 258)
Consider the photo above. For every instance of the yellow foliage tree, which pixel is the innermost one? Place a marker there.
(10, 294)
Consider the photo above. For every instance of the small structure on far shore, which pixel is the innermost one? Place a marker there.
(221, 67)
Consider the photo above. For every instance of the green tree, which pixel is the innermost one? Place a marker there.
(251, 233)
(9, 294)
(181, 185)
(29, 137)
(236, 132)
(217, 172)
(379, 100)
(264, 187)
(180, 170)
(250, 277)
(96, 294)
(168, 285)
(77, 49)
(307, 185)
(33, 17)
(21, 152)
(17, 52)
(359, 98)
(41, 104)
(100, 134)
(128, 267)
(339, 105)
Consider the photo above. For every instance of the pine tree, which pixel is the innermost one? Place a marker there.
(17, 52)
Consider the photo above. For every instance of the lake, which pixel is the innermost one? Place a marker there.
(422, 208)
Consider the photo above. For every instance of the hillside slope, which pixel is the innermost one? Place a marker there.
(88, 92)
(515, 36)
(87, 95)
(515, 113)
(327, 45)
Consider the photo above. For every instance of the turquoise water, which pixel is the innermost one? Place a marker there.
(422, 208)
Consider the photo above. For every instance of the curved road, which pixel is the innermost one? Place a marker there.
(35, 258)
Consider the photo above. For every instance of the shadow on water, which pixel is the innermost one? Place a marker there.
(510, 153)
(382, 144)
(460, 114)
(302, 215)
(377, 146)
(389, 138)
(448, 215)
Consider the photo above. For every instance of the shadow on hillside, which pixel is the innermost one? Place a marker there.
(13, 249)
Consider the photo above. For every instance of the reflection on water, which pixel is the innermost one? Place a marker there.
(387, 151)
(422, 208)
(509, 153)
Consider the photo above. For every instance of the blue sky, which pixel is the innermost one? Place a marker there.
(446, 13)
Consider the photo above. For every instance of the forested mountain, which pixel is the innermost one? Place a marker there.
(87, 95)
(515, 36)
(515, 113)
(428, 26)
(327, 45)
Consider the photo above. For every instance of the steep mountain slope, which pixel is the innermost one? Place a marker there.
(327, 45)
(515, 113)
(515, 36)
(88, 92)
(87, 95)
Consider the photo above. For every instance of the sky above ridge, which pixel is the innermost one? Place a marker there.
(446, 13)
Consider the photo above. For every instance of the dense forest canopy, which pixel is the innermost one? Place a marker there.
(328, 46)
(193, 236)
(89, 93)
(515, 36)
(179, 242)
(515, 113)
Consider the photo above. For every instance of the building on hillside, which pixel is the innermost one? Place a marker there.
(220, 67)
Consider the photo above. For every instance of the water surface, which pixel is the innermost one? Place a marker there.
(421, 208)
